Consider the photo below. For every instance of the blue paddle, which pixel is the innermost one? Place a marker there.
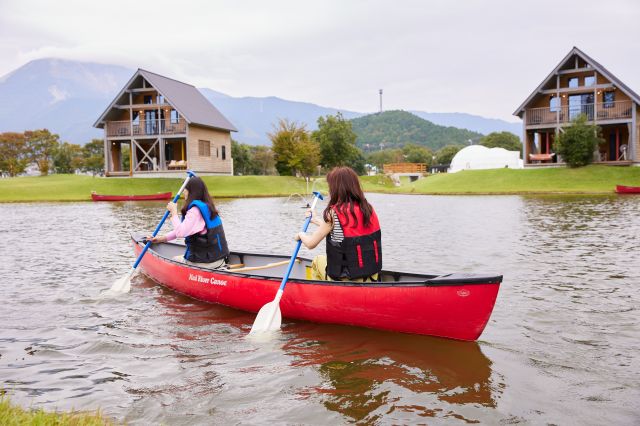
(123, 284)
(269, 317)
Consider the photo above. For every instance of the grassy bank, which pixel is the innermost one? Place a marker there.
(13, 415)
(585, 180)
(78, 188)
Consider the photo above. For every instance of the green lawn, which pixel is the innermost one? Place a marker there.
(585, 180)
(78, 188)
(11, 415)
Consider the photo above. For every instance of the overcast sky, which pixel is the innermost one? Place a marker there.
(479, 57)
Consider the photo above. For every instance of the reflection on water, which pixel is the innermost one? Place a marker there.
(367, 372)
(561, 346)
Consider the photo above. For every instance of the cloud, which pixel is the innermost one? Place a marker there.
(57, 94)
(437, 55)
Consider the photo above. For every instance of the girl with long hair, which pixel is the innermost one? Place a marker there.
(352, 232)
(200, 225)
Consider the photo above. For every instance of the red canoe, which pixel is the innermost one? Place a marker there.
(148, 197)
(456, 306)
(621, 189)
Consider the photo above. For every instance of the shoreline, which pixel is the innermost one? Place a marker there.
(587, 181)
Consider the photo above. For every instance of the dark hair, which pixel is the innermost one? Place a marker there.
(198, 191)
(345, 192)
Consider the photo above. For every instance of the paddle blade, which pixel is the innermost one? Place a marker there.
(122, 284)
(268, 318)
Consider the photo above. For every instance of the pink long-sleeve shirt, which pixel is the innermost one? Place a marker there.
(193, 223)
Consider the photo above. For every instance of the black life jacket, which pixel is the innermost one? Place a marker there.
(359, 255)
(208, 247)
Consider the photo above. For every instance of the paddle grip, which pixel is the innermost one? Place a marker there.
(190, 174)
(285, 278)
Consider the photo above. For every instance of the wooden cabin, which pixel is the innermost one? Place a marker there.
(157, 126)
(580, 85)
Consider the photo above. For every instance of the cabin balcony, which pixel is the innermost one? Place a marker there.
(142, 128)
(619, 111)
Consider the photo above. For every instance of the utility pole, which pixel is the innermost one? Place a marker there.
(380, 91)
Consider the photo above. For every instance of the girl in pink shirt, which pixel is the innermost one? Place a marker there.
(200, 225)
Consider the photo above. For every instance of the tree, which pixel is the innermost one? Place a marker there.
(263, 161)
(241, 155)
(67, 158)
(578, 142)
(446, 154)
(41, 145)
(417, 154)
(13, 153)
(93, 155)
(506, 140)
(293, 149)
(337, 142)
(386, 156)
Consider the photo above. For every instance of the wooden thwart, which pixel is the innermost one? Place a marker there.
(254, 268)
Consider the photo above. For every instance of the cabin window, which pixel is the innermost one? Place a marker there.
(589, 81)
(136, 118)
(574, 82)
(554, 104)
(204, 148)
(148, 99)
(174, 116)
(224, 152)
(160, 99)
(609, 99)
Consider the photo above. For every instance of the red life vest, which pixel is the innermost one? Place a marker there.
(359, 255)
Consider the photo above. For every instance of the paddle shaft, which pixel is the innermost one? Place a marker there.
(164, 218)
(285, 278)
(269, 317)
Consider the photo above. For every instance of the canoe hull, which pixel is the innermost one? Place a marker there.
(621, 189)
(147, 197)
(458, 311)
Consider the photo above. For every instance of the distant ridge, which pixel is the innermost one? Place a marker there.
(394, 129)
(67, 96)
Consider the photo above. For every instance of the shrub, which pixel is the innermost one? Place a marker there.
(578, 142)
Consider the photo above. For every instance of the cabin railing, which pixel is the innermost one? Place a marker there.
(405, 168)
(603, 111)
(146, 128)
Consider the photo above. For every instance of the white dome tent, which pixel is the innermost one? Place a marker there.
(476, 157)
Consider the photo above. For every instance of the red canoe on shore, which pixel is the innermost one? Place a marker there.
(621, 189)
(148, 197)
(456, 306)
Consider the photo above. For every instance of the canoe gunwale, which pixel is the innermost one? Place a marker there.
(445, 280)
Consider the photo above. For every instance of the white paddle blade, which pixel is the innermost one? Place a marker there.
(268, 318)
(122, 284)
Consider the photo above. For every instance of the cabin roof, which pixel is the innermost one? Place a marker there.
(185, 98)
(594, 64)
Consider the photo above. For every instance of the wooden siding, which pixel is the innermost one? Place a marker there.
(636, 152)
(214, 163)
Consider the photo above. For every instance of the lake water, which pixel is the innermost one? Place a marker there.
(562, 345)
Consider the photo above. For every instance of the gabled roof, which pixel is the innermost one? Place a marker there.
(185, 98)
(594, 64)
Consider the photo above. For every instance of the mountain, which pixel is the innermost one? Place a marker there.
(68, 96)
(63, 96)
(471, 122)
(394, 129)
(255, 117)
